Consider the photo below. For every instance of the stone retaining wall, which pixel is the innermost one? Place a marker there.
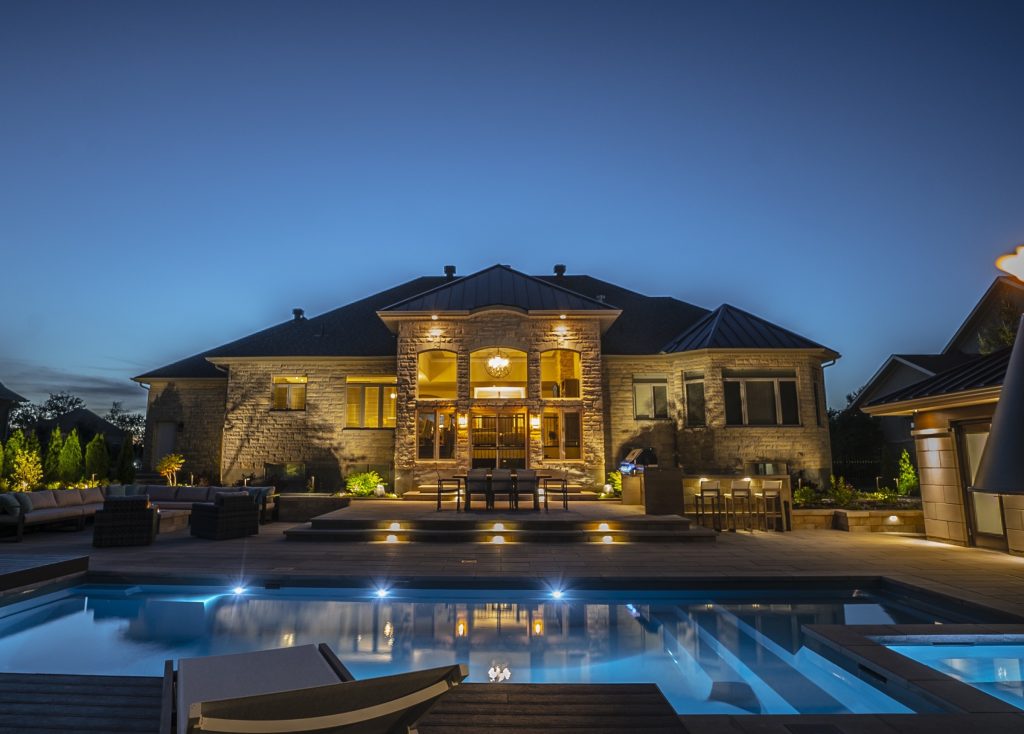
(860, 521)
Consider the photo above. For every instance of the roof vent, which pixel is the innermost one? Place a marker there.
(298, 314)
(559, 270)
(449, 271)
(600, 297)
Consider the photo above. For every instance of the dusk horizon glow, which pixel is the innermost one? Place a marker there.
(177, 177)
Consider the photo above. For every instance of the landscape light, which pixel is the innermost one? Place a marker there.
(395, 526)
(381, 593)
(498, 540)
(499, 526)
(391, 539)
(603, 527)
(556, 594)
(238, 590)
(606, 539)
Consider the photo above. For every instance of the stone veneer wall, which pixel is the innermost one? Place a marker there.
(513, 331)
(941, 491)
(197, 406)
(717, 448)
(255, 435)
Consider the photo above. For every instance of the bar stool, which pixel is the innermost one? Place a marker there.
(740, 494)
(708, 501)
(769, 501)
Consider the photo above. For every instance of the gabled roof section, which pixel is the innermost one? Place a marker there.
(977, 373)
(934, 363)
(925, 366)
(1004, 287)
(728, 327)
(351, 331)
(9, 395)
(498, 286)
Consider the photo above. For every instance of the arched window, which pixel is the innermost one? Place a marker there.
(497, 373)
(436, 375)
(560, 374)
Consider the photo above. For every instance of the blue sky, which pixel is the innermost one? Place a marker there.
(177, 175)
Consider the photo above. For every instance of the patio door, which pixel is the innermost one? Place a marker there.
(498, 439)
(984, 511)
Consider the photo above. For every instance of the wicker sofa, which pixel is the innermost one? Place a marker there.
(230, 515)
(182, 498)
(19, 510)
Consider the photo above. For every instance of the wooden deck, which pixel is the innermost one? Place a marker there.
(41, 704)
(18, 572)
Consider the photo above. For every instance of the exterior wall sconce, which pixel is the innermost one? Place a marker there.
(535, 422)
(538, 627)
(463, 420)
(435, 334)
(460, 628)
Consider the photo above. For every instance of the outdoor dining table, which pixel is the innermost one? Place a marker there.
(463, 480)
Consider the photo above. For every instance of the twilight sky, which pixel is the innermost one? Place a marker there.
(175, 176)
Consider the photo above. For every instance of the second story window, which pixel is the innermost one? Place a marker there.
(650, 396)
(370, 402)
(289, 393)
(693, 387)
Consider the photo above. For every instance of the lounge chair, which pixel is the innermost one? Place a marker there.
(232, 515)
(301, 689)
(125, 521)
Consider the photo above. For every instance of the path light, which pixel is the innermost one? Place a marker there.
(892, 518)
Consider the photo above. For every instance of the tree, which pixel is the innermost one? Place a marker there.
(131, 423)
(26, 415)
(61, 403)
(26, 470)
(15, 444)
(1, 459)
(1002, 331)
(125, 467)
(32, 443)
(906, 479)
(169, 465)
(51, 464)
(857, 440)
(71, 459)
(97, 460)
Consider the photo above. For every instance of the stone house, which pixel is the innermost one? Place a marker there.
(564, 373)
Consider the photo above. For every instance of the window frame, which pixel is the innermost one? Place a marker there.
(452, 414)
(578, 361)
(288, 388)
(687, 382)
(651, 382)
(455, 360)
(561, 413)
(775, 382)
(361, 384)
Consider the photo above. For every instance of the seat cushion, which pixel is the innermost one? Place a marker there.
(192, 494)
(24, 499)
(9, 504)
(43, 500)
(92, 508)
(92, 496)
(52, 514)
(174, 505)
(157, 493)
(115, 490)
(68, 497)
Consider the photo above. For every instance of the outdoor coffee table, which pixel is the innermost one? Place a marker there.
(171, 520)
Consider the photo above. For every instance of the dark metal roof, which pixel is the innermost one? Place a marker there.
(498, 285)
(352, 331)
(976, 373)
(728, 327)
(9, 395)
(935, 363)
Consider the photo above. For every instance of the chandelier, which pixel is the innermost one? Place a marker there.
(498, 366)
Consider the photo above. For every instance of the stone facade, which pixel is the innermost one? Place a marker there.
(196, 409)
(716, 447)
(941, 489)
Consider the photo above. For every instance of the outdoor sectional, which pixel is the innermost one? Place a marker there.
(19, 510)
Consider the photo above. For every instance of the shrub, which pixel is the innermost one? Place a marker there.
(70, 459)
(804, 495)
(1, 460)
(363, 484)
(615, 479)
(26, 470)
(840, 491)
(906, 481)
(97, 460)
(169, 466)
(15, 443)
(124, 469)
(51, 464)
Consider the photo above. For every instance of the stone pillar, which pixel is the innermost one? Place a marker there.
(941, 491)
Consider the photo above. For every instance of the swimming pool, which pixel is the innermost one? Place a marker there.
(710, 652)
(997, 668)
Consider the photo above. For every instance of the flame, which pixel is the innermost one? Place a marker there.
(1013, 264)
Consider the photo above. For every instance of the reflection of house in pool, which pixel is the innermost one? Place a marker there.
(561, 373)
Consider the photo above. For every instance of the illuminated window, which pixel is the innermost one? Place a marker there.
(560, 374)
(693, 386)
(436, 375)
(650, 396)
(562, 435)
(289, 393)
(370, 402)
(435, 435)
(497, 373)
(760, 398)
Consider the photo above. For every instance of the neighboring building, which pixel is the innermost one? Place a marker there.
(88, 424)
(1003, 299)
(951, 414)
(8, 398)
(562, 373)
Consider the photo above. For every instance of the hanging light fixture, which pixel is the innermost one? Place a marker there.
(498, 365)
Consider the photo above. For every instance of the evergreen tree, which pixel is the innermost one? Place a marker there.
(26, 470)
(71, 459)
(125, 468)
(32, 444)
(97, 460)
(906, 480)
(15, 444)
(1, 459)
(51, 465)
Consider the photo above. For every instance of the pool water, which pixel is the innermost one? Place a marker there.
(710, 652)
(997, 669)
